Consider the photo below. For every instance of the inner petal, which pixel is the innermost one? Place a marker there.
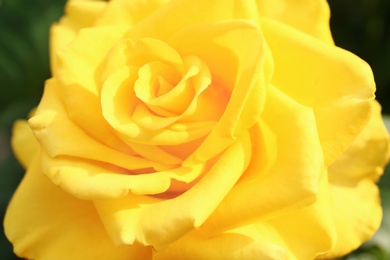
(155, 79)
(157, 87)
(157, 96)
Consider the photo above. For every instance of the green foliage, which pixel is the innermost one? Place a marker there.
(361, 26)
(24, 66)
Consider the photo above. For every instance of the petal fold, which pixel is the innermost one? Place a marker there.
(291, 177)
(23, 143)
(134, 218)
(339, 91)
(355, 197)
(43, 222)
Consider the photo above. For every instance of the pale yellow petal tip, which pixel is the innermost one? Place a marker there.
(23, 142)
(385, 127)
(379, 134)
(367, 155)
(353, 177)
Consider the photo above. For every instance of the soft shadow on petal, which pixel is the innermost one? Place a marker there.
(124, 12)
(129, 102)
(302, 233)
(309, 231)
(160, 223)
(23, 143)
(162, 24)
(78, 15)
(338, 85)
(235, 49)
(355, 196)
(232, 245)
(45, 223)
(290, 181)
(79, 81)
(59, 136)
(86, 179)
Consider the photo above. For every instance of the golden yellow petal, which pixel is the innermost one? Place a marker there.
(355, 198)
(357, 214)
(79, 86)
(23, 143)
(162, 24)
(59, 136)
(45, 223)
(124, 12)
(308, 16)
(78, 15)
(232, 245)
(335, 83)
(86, 179)
(159, 223)
(235, 54)
(302, 233)
(291, 178)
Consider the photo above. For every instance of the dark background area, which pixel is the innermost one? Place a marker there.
(363, 27)
(360, 26)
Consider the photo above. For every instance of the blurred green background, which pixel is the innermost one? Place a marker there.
(361, 26)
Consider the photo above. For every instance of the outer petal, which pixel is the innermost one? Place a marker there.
(335, 83)
(289, 181)
(162, 24)
(23, 143)
(77, 70)
(302, 233)
(309, 232)
(78, 14)
(88, 169)
(45, 223)
(232, 245)
(59, 136)
(124, 12)
(92, 13)
(355, 196)
(309, 16)
(160, 223)
(94, 180)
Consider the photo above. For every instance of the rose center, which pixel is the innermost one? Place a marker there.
(165, 91)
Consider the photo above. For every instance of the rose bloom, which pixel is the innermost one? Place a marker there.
(198, 129)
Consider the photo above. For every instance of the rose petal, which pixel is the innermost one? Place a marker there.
(23, 142)
(78, 14)
(355, 196)
(289, 181)
(43, 222)
(357, 214)
(226, 246)
(309, 16)
(122, 90)
(339, 90)
(366, 156)
(60, 136)
(280, 238)
(118, 96)
(124, 12)
(308, 232)
(78, 64)
(187, 12)
(93, 180)
(134, 218)
(229, 48)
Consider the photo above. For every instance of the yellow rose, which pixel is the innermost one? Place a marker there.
(198, 129)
